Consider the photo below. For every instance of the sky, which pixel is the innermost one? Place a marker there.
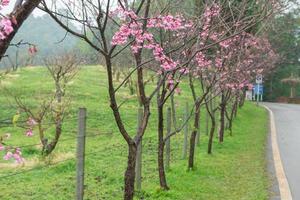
(8, 9)
(36, 12)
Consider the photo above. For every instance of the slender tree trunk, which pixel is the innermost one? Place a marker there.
(235, 108)
(51, 146)
(198, 130)
(206, 123)
(228, 122)
(222, 120)
(161, 146)
(161, 168)
(42, 137)
(242, 101)
(211, 135)
(211, 113)
(193, 136)
(130, 173)
(129, 176)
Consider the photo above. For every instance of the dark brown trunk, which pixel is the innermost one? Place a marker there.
(242, 101)
(130, 173)
(161, 168)
(222, 122)
(161, 146)
(231, 117)
(228, 121)
(211, 135)
(193, 136)
(192, 150)
(234, 109)
(211, 113)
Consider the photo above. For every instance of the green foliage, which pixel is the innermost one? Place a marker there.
(285, 40)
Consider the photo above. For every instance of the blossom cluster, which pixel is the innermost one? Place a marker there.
(210, 13)
(15, 153)
(31, 123)
(132, 28)
(10, 152)
(6, 23)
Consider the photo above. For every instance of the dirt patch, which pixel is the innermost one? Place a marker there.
(33, 162)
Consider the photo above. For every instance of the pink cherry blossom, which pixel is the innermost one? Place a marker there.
(29, 133)
(32, 50)
(7, 26)
(178, 90)
(31, 122)
(8, 155)
(5, 2)
(18, 156)
(168, 22)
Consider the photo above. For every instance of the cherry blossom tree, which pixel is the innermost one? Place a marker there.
(135, 31)
(138, 29)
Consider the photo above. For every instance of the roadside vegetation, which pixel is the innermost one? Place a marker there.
(235, 170)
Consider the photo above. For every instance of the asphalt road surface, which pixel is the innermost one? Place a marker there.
(287, 122)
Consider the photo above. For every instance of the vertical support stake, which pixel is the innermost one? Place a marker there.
(81, 153)
(186, 131)
(168, 141)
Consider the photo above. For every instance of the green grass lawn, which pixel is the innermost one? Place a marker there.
(235, 171)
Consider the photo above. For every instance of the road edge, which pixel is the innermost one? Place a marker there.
(284, 188)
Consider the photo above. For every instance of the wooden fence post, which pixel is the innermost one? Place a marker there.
(186, 131)
(138, 165)
(207, 122)
(168, 141)
(198, 131)
(81, 153)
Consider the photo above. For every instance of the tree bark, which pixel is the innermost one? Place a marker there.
(161, 146)
(222, 119)
(49, 148)
(193, 136)
(242, 101)
(211, 113)
(130, 173)
(222, 124)
(211, 135)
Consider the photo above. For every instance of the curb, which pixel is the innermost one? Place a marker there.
(284, 188)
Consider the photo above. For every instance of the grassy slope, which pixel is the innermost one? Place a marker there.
(235, 171)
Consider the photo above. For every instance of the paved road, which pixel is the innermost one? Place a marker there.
(287, 120)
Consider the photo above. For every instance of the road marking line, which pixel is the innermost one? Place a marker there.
(285, 192)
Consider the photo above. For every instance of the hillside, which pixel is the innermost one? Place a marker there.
(43, 32)
(236, 170)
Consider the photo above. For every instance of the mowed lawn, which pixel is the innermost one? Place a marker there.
(235, 171)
